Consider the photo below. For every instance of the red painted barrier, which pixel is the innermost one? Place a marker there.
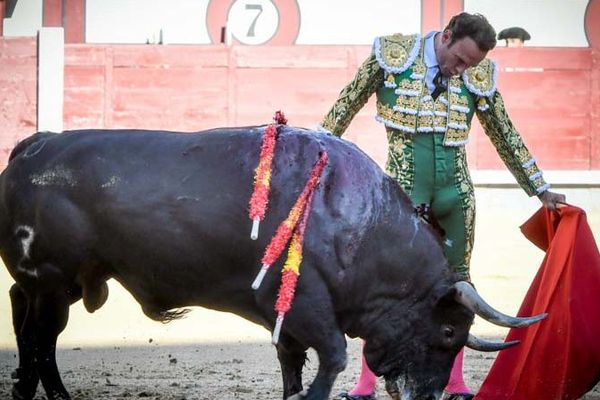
(548, 95)
(547, 91)
(18, 92)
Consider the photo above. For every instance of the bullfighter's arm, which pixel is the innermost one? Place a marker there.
(354, 96)
(509, 144)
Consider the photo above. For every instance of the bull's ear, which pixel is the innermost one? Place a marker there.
(447, 298)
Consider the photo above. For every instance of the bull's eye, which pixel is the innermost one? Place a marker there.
(448, 332)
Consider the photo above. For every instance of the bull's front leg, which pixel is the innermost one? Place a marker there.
(312, 323)
(292, 356)
(26, 374)
(332, 361)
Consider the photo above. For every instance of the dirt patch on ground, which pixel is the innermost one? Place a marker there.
(503, 266)
(200, 372)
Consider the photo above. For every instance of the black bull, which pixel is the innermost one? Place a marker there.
(166, 215)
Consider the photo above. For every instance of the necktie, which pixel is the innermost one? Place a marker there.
(439, 85)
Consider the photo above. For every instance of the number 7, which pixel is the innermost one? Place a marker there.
(253, 24)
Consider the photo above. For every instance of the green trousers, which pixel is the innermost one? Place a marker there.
(438, 176)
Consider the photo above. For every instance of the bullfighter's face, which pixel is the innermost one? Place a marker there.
(456, 55)
(416, 355)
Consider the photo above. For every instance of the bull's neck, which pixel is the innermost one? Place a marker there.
(398, 268)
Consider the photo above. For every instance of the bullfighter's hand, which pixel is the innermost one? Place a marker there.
(552, 200)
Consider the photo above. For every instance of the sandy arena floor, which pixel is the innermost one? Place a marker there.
(119, 354)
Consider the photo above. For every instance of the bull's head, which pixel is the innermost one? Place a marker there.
(418, 369)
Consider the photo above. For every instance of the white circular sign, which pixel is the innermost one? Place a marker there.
(252, 21)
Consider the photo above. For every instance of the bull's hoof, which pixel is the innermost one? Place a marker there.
(22, 394)
(457, 396)
(346, 396)
(59, 396)
(26, 385)
(298, 396)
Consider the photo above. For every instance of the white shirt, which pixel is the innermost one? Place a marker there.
(431, 61)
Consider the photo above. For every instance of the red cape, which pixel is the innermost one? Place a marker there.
(558, 358)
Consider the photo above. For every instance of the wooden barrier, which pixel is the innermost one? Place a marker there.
(548, 92)
(18, 92)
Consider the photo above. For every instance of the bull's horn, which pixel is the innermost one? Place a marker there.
(468, 296)
(473, 342)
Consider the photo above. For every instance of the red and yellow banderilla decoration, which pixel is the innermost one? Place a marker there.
(262, 174)
(292, 227)
(287, 227)
(291, 268)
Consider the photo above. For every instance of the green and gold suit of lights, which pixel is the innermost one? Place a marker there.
(427, 137)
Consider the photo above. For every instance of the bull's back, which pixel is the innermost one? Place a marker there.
(141, 188)
(172, 205)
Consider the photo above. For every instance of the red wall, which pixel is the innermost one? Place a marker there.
(18, 92)
(548, 93)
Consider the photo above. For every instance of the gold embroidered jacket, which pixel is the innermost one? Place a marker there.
(395, 71)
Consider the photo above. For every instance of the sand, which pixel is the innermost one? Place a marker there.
(119, 354)
(204, 371)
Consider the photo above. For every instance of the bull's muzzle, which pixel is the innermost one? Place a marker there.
(399, 389)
